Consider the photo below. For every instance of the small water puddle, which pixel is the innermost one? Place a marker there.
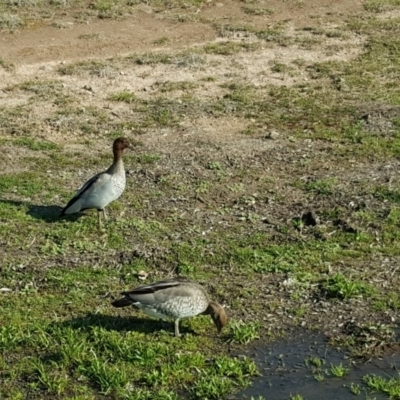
(286, 373)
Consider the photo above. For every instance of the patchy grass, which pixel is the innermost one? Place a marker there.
(380, 5)
(252, 10)
(229, 48)
(7, 65)
(16, 14)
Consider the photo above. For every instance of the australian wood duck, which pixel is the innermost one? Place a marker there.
(174, 298)
(103, 188)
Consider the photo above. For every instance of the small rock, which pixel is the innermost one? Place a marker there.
(142, 275)
(272, 135)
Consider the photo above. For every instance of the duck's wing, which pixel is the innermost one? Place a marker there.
(158, 292)
(90, 188)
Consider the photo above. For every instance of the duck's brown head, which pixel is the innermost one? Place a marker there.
(120, 144)
(218, 315)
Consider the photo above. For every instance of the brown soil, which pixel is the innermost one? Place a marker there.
(43, 43)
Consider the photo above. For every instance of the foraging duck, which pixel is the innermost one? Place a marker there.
(174, 298)
(103, 188)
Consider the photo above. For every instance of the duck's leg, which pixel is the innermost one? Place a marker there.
(104, 214)
(177, 334)
(99, 217)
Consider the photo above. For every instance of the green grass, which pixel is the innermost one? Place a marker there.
(341, 287)
(32, 144)
(389, 386)
(244, 333)
(101, 351)
(339, 371)
(229, 48)
(125, 97)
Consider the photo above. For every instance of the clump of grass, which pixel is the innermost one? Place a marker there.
(125, 97)
(355, 389)
(101, 69)
(323, 186)
(152, 58)
(343, 288)
(339, 371)
(171, 86)
(259, 11)
(39, 87)
(244, 332)
(161, 41)
(229, 47)
(10, 21)
(269, 35)
(217, 387)
(108, 8)
(390, 301)
(7, 65)
(315, 361)
(296, 397)
(390, 386)
(385, 193)
(51, 377)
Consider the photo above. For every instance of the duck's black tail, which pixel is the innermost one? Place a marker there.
(122, 302)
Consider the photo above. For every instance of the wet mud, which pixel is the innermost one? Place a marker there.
(287, 370)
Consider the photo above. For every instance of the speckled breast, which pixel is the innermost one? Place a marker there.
(118, 182)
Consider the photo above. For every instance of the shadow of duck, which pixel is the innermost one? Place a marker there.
(121, 324)
(49, 214)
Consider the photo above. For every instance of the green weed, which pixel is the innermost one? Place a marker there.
(244, 332)
(314, 361)
(390, 386)
(297, 397)
(125, 97)
(341, 287)
(339, 371)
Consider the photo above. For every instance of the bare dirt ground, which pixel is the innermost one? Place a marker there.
(51, 44)
(39, 50)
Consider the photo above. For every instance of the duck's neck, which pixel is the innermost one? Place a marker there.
(118, 164)
(213, 308)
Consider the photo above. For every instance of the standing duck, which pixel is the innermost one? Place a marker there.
(174, 298)
(103, 188)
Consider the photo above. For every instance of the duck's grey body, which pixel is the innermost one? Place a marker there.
(103, 188)
(99, 191)
(173, 298)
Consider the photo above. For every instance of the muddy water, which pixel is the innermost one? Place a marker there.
(285, 372)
